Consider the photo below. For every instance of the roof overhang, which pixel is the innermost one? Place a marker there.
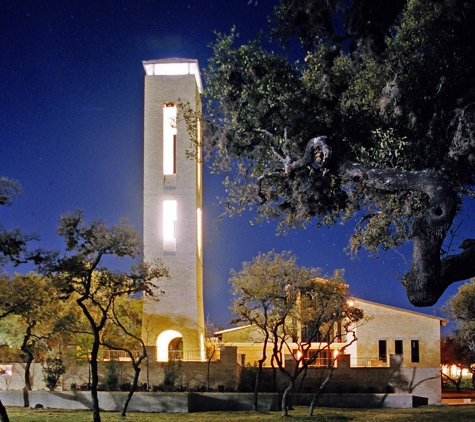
(174, 66)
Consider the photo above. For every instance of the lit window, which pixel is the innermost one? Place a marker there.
(169, 139)
(199, 231)
(198, 156)
(169, 223)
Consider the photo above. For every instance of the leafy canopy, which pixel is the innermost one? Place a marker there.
(369, 112)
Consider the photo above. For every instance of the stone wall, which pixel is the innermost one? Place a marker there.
(196, 402)
(395, 379)
(224, 376)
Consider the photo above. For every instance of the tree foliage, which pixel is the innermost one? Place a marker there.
(53, 368)
(293, 308)
(459, 350)
(375, 119)
(124, 334)
(81, 273)
(29, 310)
(461, 310)
(265, 293)
(454, 352)
(14, 245)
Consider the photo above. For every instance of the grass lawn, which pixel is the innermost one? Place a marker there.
(421, 414)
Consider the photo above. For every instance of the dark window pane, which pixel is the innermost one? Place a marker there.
(383, 350)
(398, 349)
(414, 350)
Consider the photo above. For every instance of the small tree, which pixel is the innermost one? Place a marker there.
(210, 349)
(171, 373)
(263, 291)
(461, 310)
(111, 381)
(14, 248)
(459, 350)
(33, 307)
(124, 333)
(80, 273)
(292, 307)
(53, 368)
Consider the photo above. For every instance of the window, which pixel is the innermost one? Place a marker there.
(414, 350)
(398, 349)
(199, 231)
(169, 138)
(169, 223)
(383, 350)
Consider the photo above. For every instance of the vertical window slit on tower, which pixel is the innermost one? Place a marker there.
(169, 225)
(169, 138)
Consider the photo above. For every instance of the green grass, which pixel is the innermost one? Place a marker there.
(421, 414)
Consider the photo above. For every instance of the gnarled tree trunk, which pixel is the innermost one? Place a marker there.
(3, 413)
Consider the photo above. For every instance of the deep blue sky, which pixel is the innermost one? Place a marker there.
(71, 131)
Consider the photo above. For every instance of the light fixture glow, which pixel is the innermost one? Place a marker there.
(169, 225)
(198, 231)
(169, 139)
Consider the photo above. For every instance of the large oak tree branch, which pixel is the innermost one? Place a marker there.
(429, 275)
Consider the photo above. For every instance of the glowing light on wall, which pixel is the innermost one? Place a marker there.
(202, 347)
(169, 225)
(199, 176)
(199, 232)
(169, 139)
(163, 341)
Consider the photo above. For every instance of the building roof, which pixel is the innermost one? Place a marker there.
(174, 66)
(228, 330)
(442, 320)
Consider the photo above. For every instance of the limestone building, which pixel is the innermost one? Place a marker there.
(172, 211)
(396, 351)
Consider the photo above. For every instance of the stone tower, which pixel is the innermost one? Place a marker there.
(172, 211)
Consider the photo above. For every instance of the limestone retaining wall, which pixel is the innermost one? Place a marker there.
(196, 402)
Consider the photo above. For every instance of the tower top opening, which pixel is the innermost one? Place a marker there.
(174, 66)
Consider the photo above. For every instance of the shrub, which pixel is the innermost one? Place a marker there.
(171, 373)
(111, 383)
(53, 368)
(125, 386)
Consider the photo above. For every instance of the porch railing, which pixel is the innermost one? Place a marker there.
(119, 355)
(369, 362)
(192, 355)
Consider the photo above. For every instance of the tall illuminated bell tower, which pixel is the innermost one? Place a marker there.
(172, 211)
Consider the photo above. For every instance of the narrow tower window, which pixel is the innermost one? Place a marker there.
(169, 223)
(199, 231)
(169, 138)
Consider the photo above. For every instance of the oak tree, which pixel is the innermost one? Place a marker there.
(297, 313)
(81, 273)
(455, 353)
(124, 333)
(30, 307)
(14, 244)
(369, 113)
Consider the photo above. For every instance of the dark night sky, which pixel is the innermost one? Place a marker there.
(71, 131)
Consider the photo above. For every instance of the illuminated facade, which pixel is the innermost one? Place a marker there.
(172, 211)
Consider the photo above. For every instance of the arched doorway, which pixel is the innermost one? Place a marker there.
(175, 349)
(169, 341)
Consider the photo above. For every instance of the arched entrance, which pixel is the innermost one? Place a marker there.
(169, 345)
(175, 349)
